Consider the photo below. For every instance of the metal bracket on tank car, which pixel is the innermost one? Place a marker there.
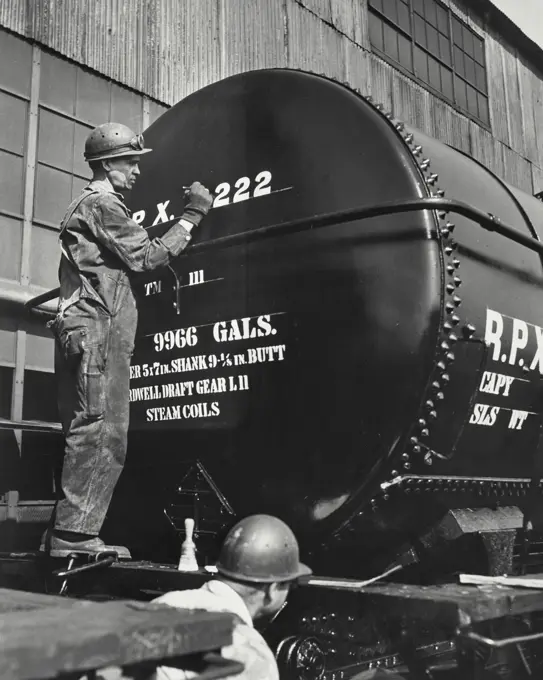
(485, 220)
(97, 561)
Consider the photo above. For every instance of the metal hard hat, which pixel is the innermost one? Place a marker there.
(113, 140)
(261, 549)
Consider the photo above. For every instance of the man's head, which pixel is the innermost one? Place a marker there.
(113, 151)
(260, 559)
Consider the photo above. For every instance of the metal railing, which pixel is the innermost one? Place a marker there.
(30, 426)
(485, 220)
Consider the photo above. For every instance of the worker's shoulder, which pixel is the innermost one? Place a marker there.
(101, 200)
(249, 647)
(182, 598)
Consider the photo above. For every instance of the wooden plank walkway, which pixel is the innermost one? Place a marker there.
(43, 636)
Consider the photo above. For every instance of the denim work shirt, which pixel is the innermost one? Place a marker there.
(248, 646)
(102, 246)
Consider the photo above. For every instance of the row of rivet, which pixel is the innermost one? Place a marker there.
(449, 325)
(446, 229)
(416, 446)
(452, 319)
(481, 487)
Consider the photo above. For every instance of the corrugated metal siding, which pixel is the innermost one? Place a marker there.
(196, 60)
(449, 126)
(348, 17)
(313, 44)
(411, 102)
(381, 82)
(254, 35)
(170, 48)
(357, 68)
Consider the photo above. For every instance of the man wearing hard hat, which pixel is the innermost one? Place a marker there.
(258, 563)
(102, 247)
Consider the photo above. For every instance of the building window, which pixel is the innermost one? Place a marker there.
(426, 39)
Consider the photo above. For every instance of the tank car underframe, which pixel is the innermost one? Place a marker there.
(413, 629)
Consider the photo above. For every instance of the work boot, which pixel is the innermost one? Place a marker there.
(60, 546)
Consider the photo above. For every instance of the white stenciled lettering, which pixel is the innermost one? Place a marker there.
(201, 410)
(241, 194)
(243, 186)
(178, 389)
(180, 338)
(517, 419)
(243, 329)
(135, 372)
(492, 383)
(145, 393)
(163, 413)
(519, 339)
(514, 341)
(493, 332)
(239, 382)
(260, 355)
(139, 216)
(153, 288)
(197, 277)
(537, 361)
(483, 414)
(209, 385)
(162, 215)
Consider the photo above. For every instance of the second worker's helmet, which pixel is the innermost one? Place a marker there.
(261, 549)
(113, 140)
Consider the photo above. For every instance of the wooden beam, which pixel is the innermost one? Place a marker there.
(73, 636)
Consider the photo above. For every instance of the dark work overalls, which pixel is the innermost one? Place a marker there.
(94, 329)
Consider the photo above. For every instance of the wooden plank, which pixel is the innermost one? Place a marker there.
(517, 170)
(411, 103)
(486, 149)
(449, 126)
(20, 600)
(451, 605)
(528, 81)
(496, 89)
(252, 36)
(537, 179)
(512, 101)
(313, 45)
(88, 635)
(537, 108)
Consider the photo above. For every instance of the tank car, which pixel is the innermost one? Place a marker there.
(352, 342)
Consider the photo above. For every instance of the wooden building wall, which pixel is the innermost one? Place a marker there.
(169, 48)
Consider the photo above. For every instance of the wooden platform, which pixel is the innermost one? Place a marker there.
(454, 605)
(44, 636)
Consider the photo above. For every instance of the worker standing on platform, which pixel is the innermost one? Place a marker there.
(258, 563)
(102, 247)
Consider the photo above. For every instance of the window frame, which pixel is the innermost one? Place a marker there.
(452, 68)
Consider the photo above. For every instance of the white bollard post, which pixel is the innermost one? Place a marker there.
(187, 561)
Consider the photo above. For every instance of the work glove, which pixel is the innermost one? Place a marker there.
(199, 201)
